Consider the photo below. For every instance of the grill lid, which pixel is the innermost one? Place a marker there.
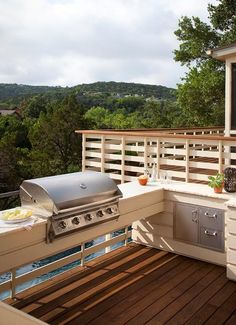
(56, 194)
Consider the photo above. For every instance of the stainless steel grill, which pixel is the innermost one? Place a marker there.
(71, 202)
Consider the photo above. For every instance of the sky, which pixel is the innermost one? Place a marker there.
(69, 42)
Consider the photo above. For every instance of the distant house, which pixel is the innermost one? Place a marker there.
(6, 112)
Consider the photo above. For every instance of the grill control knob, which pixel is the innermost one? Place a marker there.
(62, 224)
(75, 221)
(109, 210)
(88, 217)
(100, 213)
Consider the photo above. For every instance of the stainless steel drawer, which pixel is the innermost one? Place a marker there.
(212, 238)
(211, 218)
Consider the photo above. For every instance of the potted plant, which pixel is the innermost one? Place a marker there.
(217, 182)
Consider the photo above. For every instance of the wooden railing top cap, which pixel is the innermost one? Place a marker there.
(151, 134)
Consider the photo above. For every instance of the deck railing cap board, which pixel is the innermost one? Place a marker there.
(190, 129)
(157, 135)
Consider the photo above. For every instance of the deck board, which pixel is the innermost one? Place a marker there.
(135, 285)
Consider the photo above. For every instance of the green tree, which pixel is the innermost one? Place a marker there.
(13, 143)
(201, 96)
(34, 106)
(97, 118)
(56, 148)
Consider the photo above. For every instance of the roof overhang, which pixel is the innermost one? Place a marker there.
(223, 53)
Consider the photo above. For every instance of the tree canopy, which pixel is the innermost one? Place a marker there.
(201, 95)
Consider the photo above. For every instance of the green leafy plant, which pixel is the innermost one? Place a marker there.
(216, 181)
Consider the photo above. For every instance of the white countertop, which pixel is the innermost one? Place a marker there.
(134, 189)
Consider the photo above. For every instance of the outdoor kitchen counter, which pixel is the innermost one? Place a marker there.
(19, 246)
(133, 193)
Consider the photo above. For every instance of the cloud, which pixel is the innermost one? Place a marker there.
(66, 42)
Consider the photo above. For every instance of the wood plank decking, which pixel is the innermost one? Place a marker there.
(135, 285)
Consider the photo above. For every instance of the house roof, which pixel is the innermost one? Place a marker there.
(223, 52)
(7, 111)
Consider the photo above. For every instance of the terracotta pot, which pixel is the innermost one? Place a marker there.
(143, 180)
(219, 189)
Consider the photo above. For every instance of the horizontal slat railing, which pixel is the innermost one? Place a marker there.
(190, 155)
(82, 256)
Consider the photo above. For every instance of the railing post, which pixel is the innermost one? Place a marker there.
(126, 235)
(102, 153)
(82, 254)
(145, 153)
(220, 156)
(186, 160)
(107, 248)
(122, 160)
(158, 158)
(13, 283)
(83, 152)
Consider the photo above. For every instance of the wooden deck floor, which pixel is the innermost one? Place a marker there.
(135, 285)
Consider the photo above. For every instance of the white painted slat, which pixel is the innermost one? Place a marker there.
(198, 177)
(134, 169)
(134, 158)
(93, 163)
(4, 286)
(172, 162)
(231, 241)
(110, 242)
(93, 154)
(232, 155)
(134, 148)
(112, 166)
(229, 143)
(112, 156)
(204, 165)
(204, 143)
(172, 141)
(208, 154)
(114, 176)
(173, 151)
(48, 268)
(232, 226)
(95, 145)
(130, 178)
(116, 147)
(93, 136)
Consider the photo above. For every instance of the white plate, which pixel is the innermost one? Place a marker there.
(14, 220)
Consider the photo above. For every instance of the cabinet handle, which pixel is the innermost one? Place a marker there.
(195, 216)
(214, 216)
(210, 233)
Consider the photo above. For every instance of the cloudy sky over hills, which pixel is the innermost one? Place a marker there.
(67, 42)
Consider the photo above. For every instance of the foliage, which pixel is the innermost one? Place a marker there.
(216, 181)
(13, 140)
(55, 145)
(201, 96)
(95, 93)
(14, 94)
(124, 88)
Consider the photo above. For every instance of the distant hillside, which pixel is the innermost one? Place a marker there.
(13, 94)
(125, 88)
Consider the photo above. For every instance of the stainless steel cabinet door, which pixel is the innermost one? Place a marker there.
(186, 223)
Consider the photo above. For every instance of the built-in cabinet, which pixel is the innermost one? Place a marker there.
(199, 225)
